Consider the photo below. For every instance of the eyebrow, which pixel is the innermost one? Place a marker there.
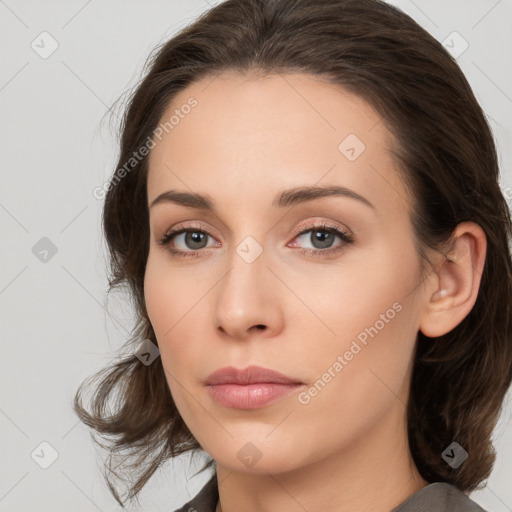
(285, 198)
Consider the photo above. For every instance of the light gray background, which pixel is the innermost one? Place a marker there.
(56, 150)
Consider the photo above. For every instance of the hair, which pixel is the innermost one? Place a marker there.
(446, 155)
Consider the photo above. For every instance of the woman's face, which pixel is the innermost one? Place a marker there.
(341, 318)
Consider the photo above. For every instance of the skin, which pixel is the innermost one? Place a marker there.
(248, 138)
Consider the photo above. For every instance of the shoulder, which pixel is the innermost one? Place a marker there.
(440, 496)
(205, 500)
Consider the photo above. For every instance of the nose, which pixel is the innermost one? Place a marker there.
(247, 300)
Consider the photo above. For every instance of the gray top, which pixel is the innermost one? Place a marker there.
(435, 497)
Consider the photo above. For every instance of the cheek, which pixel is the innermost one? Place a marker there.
(366, 289)
(174, 301)
(165, 306)
(167, 309)
(371, 315)
(159, 296)
(169, 292)
(361, 372)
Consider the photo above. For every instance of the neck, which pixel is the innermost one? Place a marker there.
(375, 473)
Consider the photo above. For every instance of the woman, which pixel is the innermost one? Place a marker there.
(308, 216)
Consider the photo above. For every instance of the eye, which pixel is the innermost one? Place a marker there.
(193, 239)
(322, 237)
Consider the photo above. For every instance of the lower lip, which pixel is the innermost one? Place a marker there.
(250, 396)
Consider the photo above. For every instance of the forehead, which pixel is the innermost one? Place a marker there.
(278, 130)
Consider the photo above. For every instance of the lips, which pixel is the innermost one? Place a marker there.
(250, 375)
(251, 388)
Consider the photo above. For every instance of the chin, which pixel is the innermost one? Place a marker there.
(256, 453)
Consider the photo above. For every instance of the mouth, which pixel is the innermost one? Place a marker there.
(251, 388)
(250, 396)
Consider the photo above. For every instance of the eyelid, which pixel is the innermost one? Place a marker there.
(304, 226)
(320, 221)
(181, 226)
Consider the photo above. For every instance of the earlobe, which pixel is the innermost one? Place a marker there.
(458, 281)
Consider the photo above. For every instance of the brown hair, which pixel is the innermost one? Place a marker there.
(446, 153)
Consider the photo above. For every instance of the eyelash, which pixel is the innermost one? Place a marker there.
(346, 238)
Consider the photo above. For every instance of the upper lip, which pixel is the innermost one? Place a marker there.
(249, 375)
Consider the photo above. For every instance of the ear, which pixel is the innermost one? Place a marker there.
(454, 288)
